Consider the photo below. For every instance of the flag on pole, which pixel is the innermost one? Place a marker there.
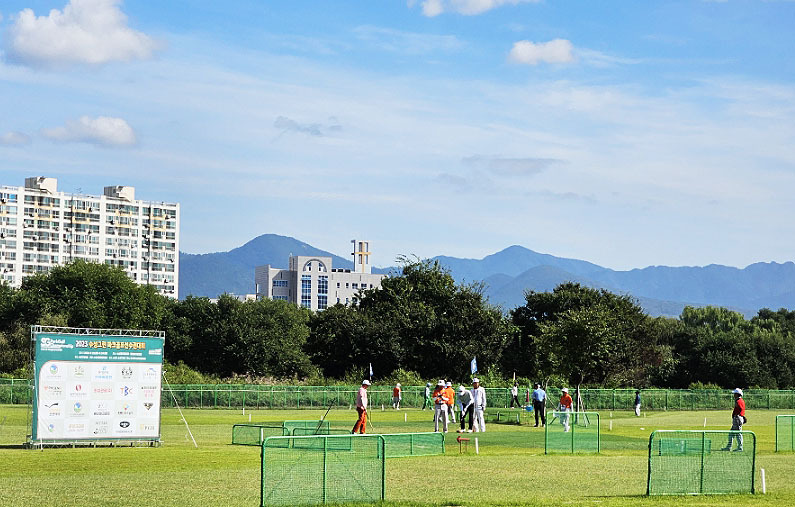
(474, 365)
(371, 371)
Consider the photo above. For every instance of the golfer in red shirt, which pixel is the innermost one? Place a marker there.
(738, 419)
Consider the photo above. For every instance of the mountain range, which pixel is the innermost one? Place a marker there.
(507, 274)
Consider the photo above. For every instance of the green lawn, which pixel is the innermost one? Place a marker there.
(511, 468)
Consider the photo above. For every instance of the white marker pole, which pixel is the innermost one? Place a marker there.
(611, 425)
(764, 486)
(249, 418)
(705, 422)
(477, 451)
(405, 417)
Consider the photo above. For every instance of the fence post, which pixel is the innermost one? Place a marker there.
(12, 391)
(768, 399)
(325, 463)
(703, 450)
(614, 399)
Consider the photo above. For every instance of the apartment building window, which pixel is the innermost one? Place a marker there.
(322, 301)
(280, 298)
(354, 285)
(306, 291)
(280, 283)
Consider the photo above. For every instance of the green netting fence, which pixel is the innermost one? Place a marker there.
(399, 445)
(322, 469)
(255, 396)
(255, 433)
(572, 432)
(320, 427)
(698, 462)
(785, 433)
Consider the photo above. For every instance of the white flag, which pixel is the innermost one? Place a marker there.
(474, 365)
(371, 371)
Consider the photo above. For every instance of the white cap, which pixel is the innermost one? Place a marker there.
(365, 382)
(461, 389)
(440, 383)
(738, 391)
(476, 380)
(449, 384)
(397, 385)
(564, 390)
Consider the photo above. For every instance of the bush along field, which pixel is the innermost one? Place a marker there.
(510, 469)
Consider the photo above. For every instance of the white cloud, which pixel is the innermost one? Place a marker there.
(433, 8)
(90, 32)
(102, 131)
(14, 139)
(533, 53)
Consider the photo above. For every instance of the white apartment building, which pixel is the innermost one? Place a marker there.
(312, 282)
(41, 227)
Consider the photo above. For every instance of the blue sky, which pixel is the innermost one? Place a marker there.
(623, 133)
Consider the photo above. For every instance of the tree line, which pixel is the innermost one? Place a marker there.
(420, 321)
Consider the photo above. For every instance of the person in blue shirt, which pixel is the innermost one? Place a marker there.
(539, 399)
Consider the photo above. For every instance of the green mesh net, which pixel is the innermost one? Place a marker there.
(785, 433)
(572, 432)
(317, 427)
(399, 445)
(699, 462)
(322, 469)
(255, 433)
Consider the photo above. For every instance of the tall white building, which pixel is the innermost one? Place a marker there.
(41, 228)
(312, 282)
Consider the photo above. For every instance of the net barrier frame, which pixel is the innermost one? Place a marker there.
(324, 444)
(708, 461)
(286, 428)
(239, 428)
(591, 418)
(392, 442)
(789, 429)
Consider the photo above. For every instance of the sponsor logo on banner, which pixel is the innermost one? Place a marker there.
(103, 372)
(51, 391)
(54, 344)
(78, 371)
(126, 372)
(150, 392)
(76, 428)
(101, 428)
(156, 352)
(78, 410)
(124, 410)
(150, 374)
(51, 427)
(146, 428)
(102, 391)
(101, 409)
(78, 391)
(53, 409)
(53, 371)
(148, 406)
(126, 391)
(124, 424)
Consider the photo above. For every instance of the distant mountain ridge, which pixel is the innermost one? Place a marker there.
(212, 274)
(507, 274)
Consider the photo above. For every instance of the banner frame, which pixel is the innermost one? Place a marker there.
(92, 441)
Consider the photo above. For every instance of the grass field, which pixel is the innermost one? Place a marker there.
(511, 468)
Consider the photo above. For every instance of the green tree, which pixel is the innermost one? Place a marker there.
(419, 320)
(585, 335)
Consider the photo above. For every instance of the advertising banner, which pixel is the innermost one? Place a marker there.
(96, 387)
